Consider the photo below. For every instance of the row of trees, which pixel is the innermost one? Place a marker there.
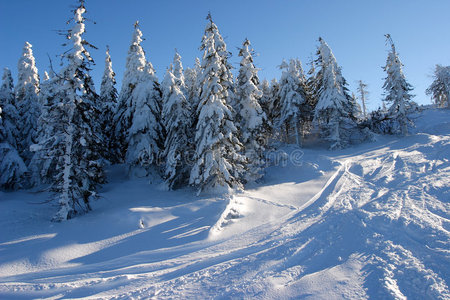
(198, 127)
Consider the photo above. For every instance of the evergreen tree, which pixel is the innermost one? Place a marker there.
(12, 167)
(176, 114)
(76, 141)
(363, 93)
(275, 104)
(397, 91)
(357, 112)
(266, 101)
(138, 131)
(440, 87)
(108, 102)
(134, 68)
(293, 99)
(311, 85)
(191, 76)
(177, 71)
(145, 135)
(253, 120)
(27, 90)
(10, 114)
(44, 161)
(7, 88)
(334, 109)
(217, 162)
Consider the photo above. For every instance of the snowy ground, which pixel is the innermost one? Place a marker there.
(369, 221)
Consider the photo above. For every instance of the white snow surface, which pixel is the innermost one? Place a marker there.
(370, 221)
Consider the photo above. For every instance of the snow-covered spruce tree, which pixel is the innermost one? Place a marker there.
(191, 76)
(145, 135)
(363, 94)
(216, 162)
(138, 131)
(333, 115)
(108, 102)
(178, 72)
(27, 90)
(12, 167)
(251, 117)
(43, 162)
(176, 115)
(357, 112)
(293, 100)
(7, 88)
(397, 91)
(440, 87)
(134, 68)
(10, 114)
(265, 102)
(275, 104)
(77, 143)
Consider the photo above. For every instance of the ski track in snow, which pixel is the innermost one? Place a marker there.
(374, 223)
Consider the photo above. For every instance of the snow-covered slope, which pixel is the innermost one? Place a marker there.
(369, 221)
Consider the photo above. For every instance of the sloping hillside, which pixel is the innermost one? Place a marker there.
(369, 221)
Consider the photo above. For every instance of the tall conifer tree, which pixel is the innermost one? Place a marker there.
(73, 142)
(334, 109)
(440, 87)
(12, 167)
(397, 91)
(138, 132)
(293, 100)
(217, 162)
(177, 121)
(10, 113)
(27, 90)
(251, 117)
(108, 103)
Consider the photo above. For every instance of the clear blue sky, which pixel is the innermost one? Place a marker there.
(278, 30)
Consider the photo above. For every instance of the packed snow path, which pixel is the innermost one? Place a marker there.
(370, 221)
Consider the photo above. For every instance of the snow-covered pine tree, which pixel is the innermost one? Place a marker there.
(27, 90)
(216, 162)
(134, 67)
(7, 88)
(311, 101)
(440, 87)
(10, 114)
(145, 135)
(12, 167)
(108, 102)
(275, 104)
(265, 101)
(138, 131)
(397, 92)
(363, 94)
(177, 121)
(178, 72)
(311, 84)
(77, 140)
(44, 160)
(357, 112)
(333, 115)
(293, 100)
(191, 76)
(251, 117)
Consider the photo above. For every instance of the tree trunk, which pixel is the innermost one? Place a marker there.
(297, 135)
